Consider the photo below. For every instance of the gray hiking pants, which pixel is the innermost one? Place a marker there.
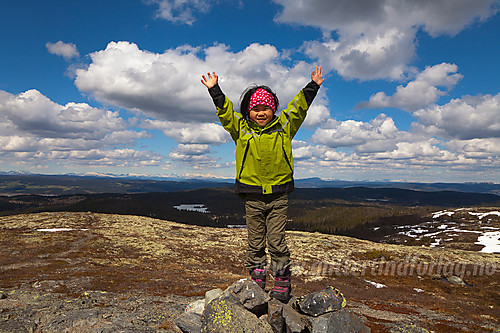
(266, 220)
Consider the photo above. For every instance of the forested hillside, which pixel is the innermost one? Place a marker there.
(328, 210)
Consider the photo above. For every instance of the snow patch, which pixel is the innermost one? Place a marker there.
(481, 215)
(441, 213)
(376, 285)
(201, 208)
(491, 242)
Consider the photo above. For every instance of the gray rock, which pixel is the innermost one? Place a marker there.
(196, 307)
(275, 315)
(320, 302)
(282, 317)
(211, 294)
(17, 326)
(189, 322)
(294, 321)
(455, 280)
(341, 321)
(74, 320)
(247, 293)
(223, 316)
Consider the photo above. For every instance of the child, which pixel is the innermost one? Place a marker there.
(264, 170)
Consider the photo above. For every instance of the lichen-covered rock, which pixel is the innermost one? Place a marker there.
(224, 316)
(28, 309)
(341, 321)
(247, 293)
(321, 302)
(212, 294)
(76, 320)
(404, 328)
(17, 325)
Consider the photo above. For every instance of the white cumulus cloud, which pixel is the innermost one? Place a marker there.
(190, 133)
(476, 148)
(34, 113)
(167, 86)
(355, 133)
(196, 155)
(376, 39)
(470, 117)
(34, 129)
(66, 50)
(420, 92)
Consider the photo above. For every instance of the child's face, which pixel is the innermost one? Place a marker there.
(261, 114)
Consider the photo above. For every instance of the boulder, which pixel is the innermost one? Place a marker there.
(212, 294)
(283, 318)
(224, 316)
(196, 307)
(189, 322)
(455, 280)
(247, 293)
(294, 321)
(321, 302)
(237, 310)
(275, 315)
(341, 321)
(451, 279)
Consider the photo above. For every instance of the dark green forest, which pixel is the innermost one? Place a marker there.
(350, 211)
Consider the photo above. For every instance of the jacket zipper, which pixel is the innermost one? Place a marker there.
(286, 159)
(284, 153)
(244, 159)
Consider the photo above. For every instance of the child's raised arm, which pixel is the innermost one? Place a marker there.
(211, 81)
(317, 75)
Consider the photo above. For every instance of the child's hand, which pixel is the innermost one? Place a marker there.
(211, 81)
(317, 75)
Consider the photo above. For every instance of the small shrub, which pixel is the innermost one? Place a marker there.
(376, 255)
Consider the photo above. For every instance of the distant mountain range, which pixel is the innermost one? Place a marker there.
(461, 187)
(65, 184)
(15, 183)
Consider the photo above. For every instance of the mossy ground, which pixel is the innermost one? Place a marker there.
(119, 253)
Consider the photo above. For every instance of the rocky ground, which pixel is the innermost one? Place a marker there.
(86, 272)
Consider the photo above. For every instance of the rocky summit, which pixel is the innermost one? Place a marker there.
(245, 307)
(89, 272)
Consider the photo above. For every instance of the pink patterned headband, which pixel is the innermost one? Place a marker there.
(262, 97)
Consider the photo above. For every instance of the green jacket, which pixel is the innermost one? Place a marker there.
(264, 161)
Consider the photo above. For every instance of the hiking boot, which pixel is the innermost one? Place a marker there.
(282, 286)
(259, 276)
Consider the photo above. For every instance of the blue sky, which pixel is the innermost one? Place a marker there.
(412, 90)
